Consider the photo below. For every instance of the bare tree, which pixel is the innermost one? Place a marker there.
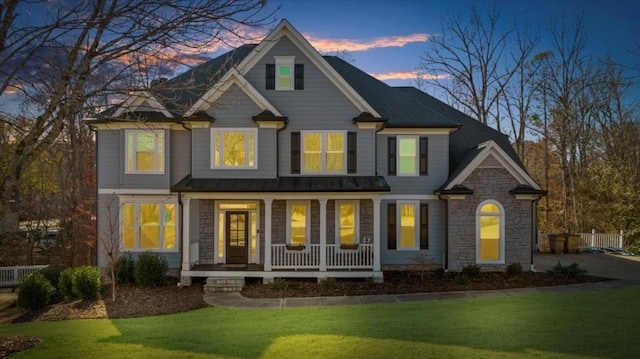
(471, 63)
(85, 50)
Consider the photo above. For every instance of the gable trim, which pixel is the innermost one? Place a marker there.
(491, 148)
(230, 78)
(286, 29)
(137, 99)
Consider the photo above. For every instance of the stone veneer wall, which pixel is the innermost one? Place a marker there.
(207, 228)
(486, 184)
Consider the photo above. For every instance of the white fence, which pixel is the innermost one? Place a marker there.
(10, 276)
(592, 239)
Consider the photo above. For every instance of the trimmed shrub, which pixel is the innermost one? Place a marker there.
(279, 284)
(150, 270)
(571, 270)
(124, 269)
(87, 282)
(328, 283)
(34, 292)
(471, 270)
(65, 282)
(514, 270)
(52, 274)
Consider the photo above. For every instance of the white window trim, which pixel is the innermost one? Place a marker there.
(417, 157)
(356, 224)
(290, 205)
(416, 225)
(155, 152)
(323, 153)
(285, 61)
(254, 256)
(501, 259)
(223, 130)
(137, 201)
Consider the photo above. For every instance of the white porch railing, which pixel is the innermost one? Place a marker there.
(10, 276)
(283, 258)
(309, 257)
(359, 258)
(592, 239)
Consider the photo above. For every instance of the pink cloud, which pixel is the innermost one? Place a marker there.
(407, 75)
(327, 45)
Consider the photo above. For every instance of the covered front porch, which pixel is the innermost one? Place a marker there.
(256, 235)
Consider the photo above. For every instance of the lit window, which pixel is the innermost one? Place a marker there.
(145, 151)
(323, 152)
(284, 72)
(490, 233)
(149, 226)
(407, 156)
(234, 148)
(347, 222)
(298, 225)
(408, 230)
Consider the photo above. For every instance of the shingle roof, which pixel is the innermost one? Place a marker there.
(284, 184)
(398, 109)
(463, 144)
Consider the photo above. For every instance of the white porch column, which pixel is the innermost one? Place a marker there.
(323, 234)
(267, 235)
(186, 241)
(376, 235)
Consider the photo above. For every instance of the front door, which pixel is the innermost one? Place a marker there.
(237, 225)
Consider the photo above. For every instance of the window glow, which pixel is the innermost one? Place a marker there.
(323, 152)
(145, 151)
(234, 148)
(347, 222)
(490, 237)
(408, 225)
(298, 224)
(149, 226)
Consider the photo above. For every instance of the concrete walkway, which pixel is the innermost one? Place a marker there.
(235, 300)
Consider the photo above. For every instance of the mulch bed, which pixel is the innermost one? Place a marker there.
(398, 282)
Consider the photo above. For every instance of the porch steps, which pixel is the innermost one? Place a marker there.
(223, 284)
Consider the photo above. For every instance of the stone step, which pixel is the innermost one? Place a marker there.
(223, 284)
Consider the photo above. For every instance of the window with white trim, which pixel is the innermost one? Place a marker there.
(407, 156)
(408, 220)
(298, 224)
(323, 152)
(347, 222)
(490, 232)
(149, 225)
(234, 148)
(284, 72)
(144, 151)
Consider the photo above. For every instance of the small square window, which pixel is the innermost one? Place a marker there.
(145, 151)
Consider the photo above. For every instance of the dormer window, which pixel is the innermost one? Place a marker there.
(285, 74)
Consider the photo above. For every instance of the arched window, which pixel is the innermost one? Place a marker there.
(490, 232)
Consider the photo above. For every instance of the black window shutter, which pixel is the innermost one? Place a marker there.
(424, 226)
(391, 153)
(271, 77)
(424, 149)
(352, 166)
(299, 76)
(295, 152)
(391, 226)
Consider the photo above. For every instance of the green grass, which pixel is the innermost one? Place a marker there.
(600, 324)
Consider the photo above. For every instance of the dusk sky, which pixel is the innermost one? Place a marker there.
(387, 38)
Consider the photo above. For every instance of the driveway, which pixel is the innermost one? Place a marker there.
(601, 265)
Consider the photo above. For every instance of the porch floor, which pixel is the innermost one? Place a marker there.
(228, 267)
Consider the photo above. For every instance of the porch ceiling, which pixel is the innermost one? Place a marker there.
(284, 184)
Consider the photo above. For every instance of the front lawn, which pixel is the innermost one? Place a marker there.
(599, 324)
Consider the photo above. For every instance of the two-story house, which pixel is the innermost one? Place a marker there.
(274, 161)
